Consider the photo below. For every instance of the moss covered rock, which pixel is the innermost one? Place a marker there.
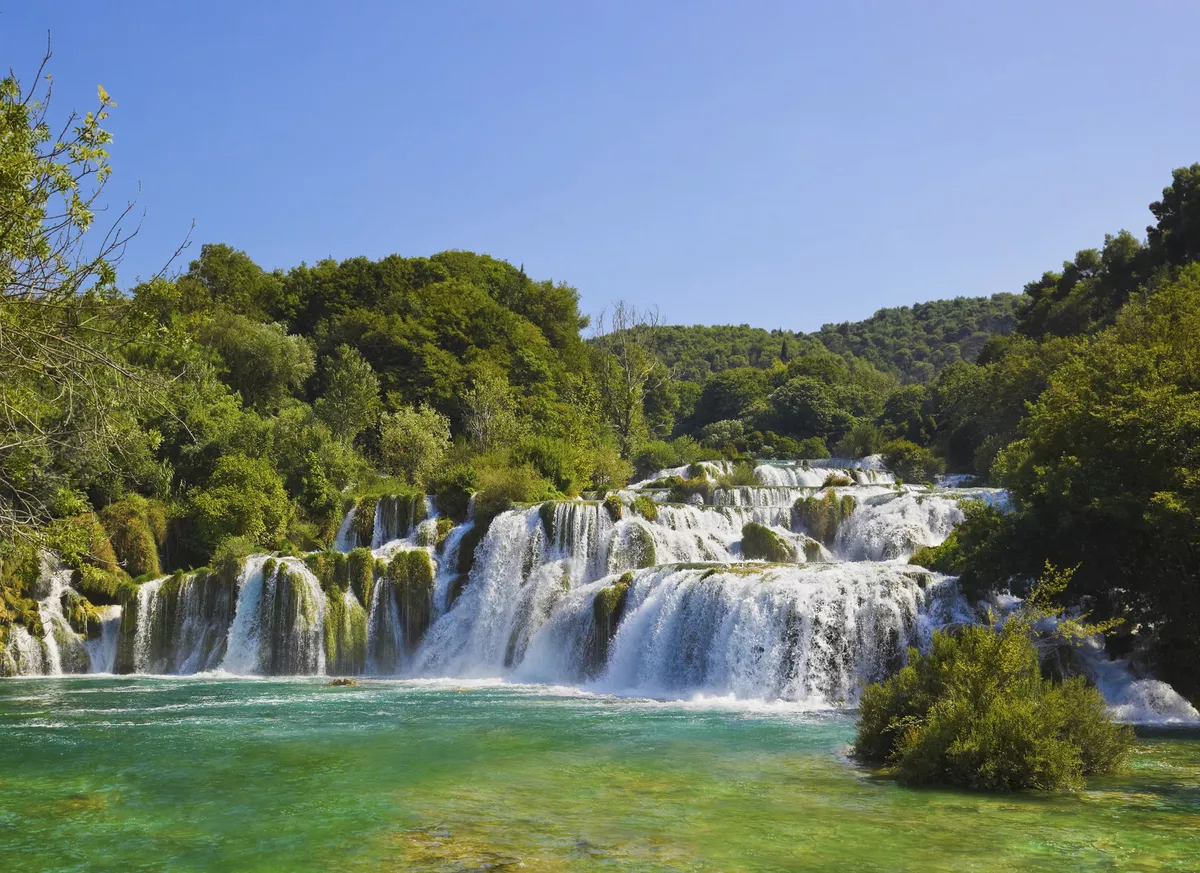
(362, 526)
(411, 576)
(761, 543)
(360, 575)
(608, 607)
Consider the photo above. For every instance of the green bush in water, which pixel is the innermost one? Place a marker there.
(614, 507)
(911, 462)
(645, 507)
(837, 480)
(330, 569)
(741, 475)
(760, 542)
(444, 526)
(976, 712)
(682, 490)
(135, 529)
(821, 517)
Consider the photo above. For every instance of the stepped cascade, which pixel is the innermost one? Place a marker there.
(796, 588)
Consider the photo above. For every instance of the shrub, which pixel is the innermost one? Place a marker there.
(645, 507)
(452, 491)
(129, 526)
(982, 550)
(813, 447)
(683, 490)
(741, 474)
(413, 442)
(609, 469)
(231, 554)
(864, 438)
(976, 712)
(502, 485)
(566, 466)
(244, 497)
(837, 480)
(614, 507)
(911, 462)
(759, 541)
(653, 456)
(822, 517)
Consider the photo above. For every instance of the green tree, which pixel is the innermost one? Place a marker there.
(260, 361)
(68, 396)
(245, 498)
(349, 402)
(413, 442)
(1107, 471)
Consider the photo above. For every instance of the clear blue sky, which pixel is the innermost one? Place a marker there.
(778, 164)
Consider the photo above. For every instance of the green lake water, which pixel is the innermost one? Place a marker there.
(132, 774)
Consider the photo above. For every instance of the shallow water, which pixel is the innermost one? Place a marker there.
(289, 775)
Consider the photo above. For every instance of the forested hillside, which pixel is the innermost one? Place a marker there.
(917, 342)
(913, 343)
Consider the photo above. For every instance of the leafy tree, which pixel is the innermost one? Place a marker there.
(349, 402)
(244, 497)
(805, 407)
(627, 367)
(260, 361)
(730, 394)
(1107, 470)
(223, 277)
(910, 462)
(413, 442)
(490, 420)
(67, 390)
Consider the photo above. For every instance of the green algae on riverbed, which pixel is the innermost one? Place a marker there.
(272, 775)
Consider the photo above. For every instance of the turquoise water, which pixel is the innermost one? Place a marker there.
(271, 775)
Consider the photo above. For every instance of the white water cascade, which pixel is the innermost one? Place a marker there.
(629, 595)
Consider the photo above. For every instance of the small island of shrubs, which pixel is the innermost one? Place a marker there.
(976, 712)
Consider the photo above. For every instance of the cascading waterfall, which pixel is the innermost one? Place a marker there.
(278, 627)
(623, 596)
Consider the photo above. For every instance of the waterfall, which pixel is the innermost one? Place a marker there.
(278, 626)
(182, 622)
(808, 634)
(624, 595)
(102, 651)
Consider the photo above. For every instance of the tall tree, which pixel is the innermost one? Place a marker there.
(627, 366)
(64, 327)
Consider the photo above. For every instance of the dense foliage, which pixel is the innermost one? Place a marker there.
(976, 711)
